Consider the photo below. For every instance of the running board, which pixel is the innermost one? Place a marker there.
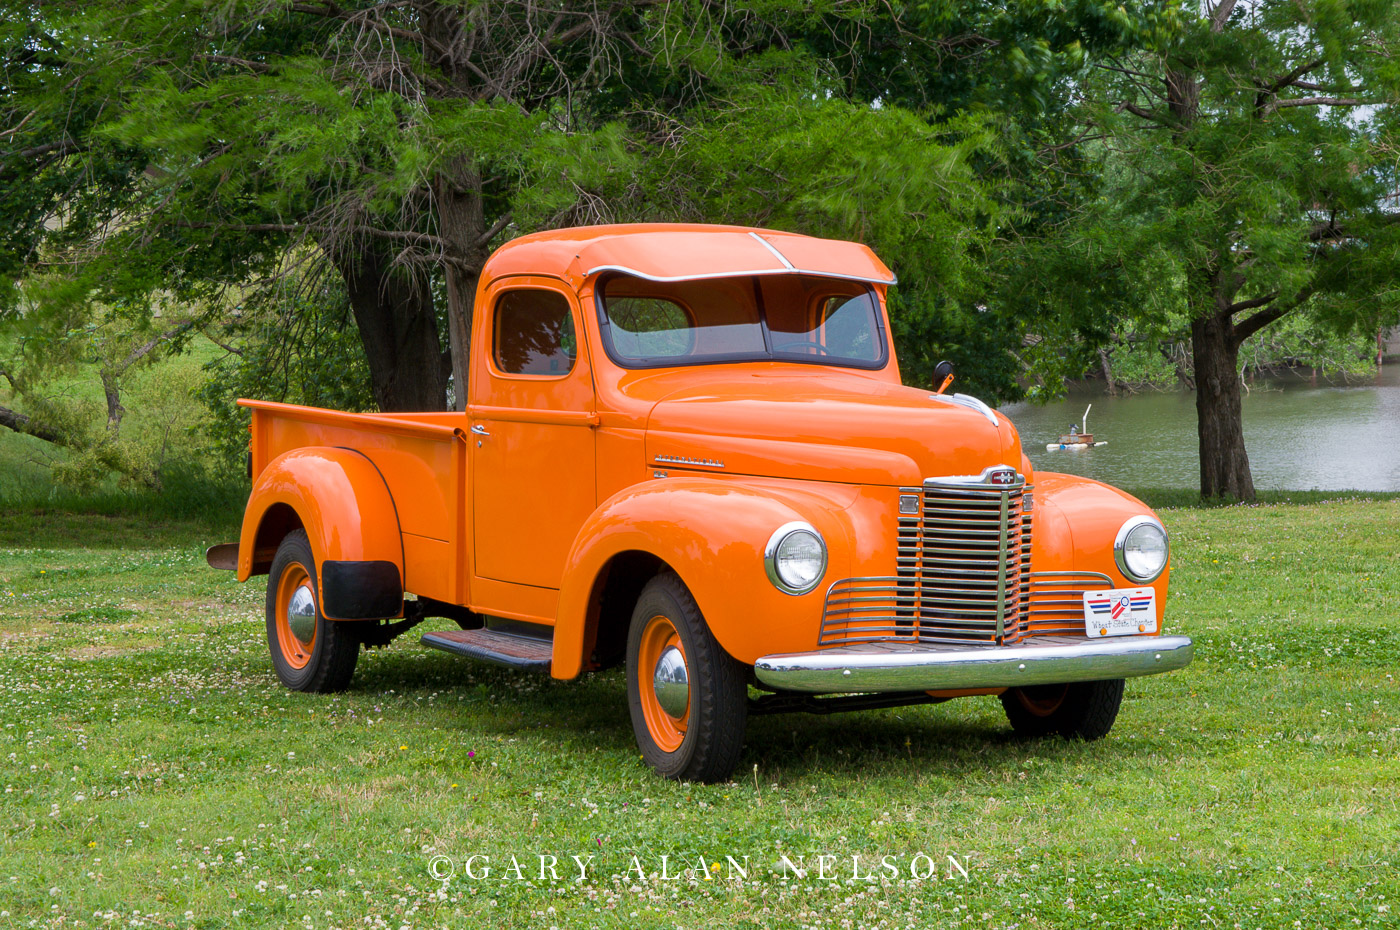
(512, 650)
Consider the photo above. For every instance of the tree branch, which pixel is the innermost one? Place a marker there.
(1133, 108)
(1317, 102)
(258, 66)
(1242, 305)
(485, 238)
(1220, 14)
(52, 151)
(18, 126)
(1252, 324)
(1151, 78)
(23, 423)
(331, 11)
(1289, 79)
(417, 238)
(111, 374)
(220, 343)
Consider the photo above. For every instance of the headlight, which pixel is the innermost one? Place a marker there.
(1141, 549)
(795, 558)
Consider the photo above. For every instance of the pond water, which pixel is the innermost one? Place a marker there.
(1300, 435)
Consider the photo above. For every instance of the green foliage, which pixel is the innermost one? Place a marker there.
(841, 169)
(85, 381)
(1262, 193)
(1159, 356)
(297, 345)
(177, 157)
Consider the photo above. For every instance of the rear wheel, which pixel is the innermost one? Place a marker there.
(688, 698)
(1084, 710)
(309, 652)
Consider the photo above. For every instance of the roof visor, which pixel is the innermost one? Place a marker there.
(686, 255)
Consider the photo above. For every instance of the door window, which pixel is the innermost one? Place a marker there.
(534, 333)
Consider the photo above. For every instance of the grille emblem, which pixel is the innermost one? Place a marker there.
(1001, 476)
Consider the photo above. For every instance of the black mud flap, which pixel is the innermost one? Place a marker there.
(360, 590)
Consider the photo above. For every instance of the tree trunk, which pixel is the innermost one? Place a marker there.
(398, 329)
(1107, 372)
(1219, 420)
(1214, 348)
(462, 222)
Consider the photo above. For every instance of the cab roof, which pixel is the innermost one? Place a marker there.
(680, 252)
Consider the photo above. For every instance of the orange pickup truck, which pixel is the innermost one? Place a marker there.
(687, 450)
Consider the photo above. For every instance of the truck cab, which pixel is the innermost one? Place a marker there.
(687, 450)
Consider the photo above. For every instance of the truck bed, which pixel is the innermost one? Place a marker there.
(423, 459)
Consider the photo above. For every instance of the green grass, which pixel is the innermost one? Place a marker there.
(164, 421)
(1185, 498)
(155, 774)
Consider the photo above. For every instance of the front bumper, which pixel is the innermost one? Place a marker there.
(1042, 660)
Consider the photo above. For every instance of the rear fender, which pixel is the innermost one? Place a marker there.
(339, 497)
(712, 533)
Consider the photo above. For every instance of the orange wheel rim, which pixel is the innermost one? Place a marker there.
(1042, 700)
(659, 636)
(293, 591)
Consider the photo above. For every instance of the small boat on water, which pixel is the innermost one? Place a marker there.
(1078, 436)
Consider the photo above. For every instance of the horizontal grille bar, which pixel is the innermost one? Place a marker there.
(1057, 602)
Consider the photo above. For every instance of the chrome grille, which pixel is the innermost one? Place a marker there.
(1057, 601)
(962, 571)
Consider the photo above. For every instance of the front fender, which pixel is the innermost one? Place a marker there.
(340, 499)
(712, 532)
(1076, 522)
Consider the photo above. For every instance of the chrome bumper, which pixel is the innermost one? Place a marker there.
(1044, 660)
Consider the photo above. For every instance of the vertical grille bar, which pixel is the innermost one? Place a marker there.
(1001, 572)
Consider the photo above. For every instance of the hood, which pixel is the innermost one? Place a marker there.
(808, 422)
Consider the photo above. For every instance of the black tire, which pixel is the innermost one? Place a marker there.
(718, 688)
(1085, 710)
(334, 648)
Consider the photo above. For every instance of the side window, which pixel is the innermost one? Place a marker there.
(850, 325)
(534, 333)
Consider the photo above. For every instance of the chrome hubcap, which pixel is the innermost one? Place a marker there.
(301, 615)
(671, 684)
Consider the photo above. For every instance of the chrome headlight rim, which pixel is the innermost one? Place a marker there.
(770, 557)
(1120, 544)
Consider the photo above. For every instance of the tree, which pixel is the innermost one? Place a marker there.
(1249, 159)
(399, 142)
(394, 144)
(923, 130)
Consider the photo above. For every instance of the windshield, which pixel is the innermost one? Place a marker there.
(801, 318)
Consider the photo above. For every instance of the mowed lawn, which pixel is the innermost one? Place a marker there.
(155, 774)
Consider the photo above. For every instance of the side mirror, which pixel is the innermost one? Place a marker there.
(942, 376)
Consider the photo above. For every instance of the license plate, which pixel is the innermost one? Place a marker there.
(1120, 612)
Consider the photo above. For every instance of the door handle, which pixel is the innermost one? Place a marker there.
(480, 430)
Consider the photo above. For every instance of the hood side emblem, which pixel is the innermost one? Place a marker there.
(687, 460)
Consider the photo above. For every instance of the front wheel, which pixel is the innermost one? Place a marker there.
(1083, 710)
(309, 652)
(688, 698)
